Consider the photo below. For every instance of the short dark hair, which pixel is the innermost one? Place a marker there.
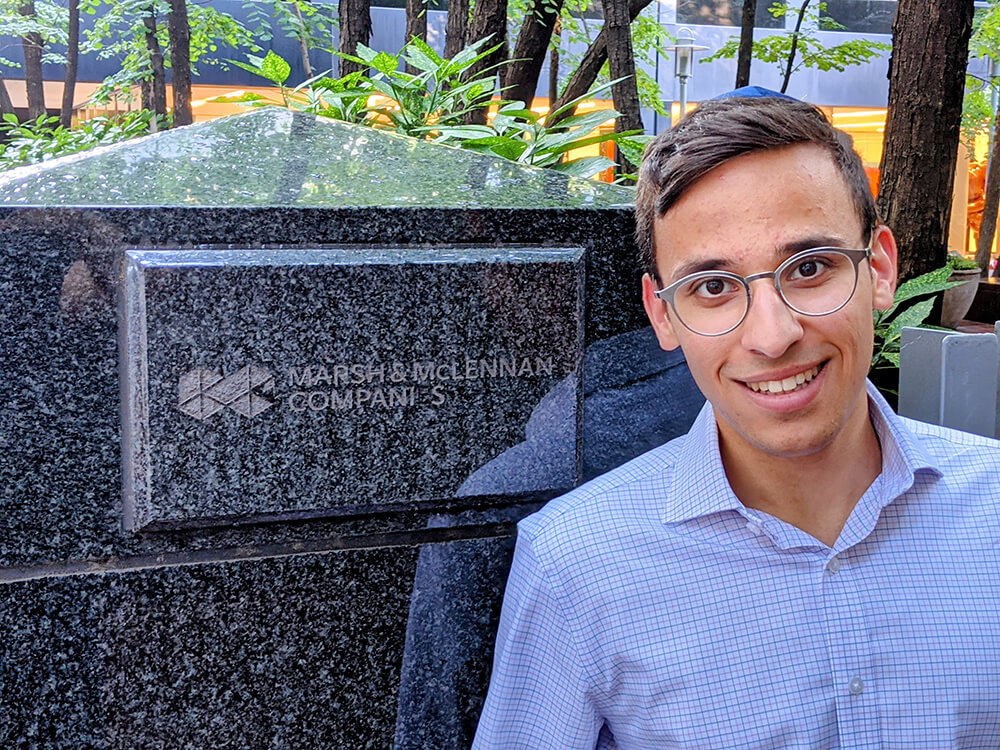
(723, 129)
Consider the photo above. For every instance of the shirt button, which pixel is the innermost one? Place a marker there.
(754, 528)
(834, 565)
(856, 686)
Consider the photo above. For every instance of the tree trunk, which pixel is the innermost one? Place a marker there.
(554, 62)
(180, 59)
(457, 29)
(520, 77)
(159, 83)
(32, 45)
(72, 64)
(745, 54)
(6, 105)
(489, 19)
(795, 46)
(355, 28)
(926, 81)
(621, 64)
(991, 200)
(303, 40)
(416, 25)
(146, 95)
(590, 66)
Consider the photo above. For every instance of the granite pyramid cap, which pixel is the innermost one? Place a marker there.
(274, 157)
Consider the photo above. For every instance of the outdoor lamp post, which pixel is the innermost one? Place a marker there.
(683, 57)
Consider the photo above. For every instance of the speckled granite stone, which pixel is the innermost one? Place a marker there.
(289, 652)
(345, 380)
(358, 614)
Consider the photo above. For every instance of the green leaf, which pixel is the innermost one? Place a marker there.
(587, 122)
(910, 317)
(587, 166)
(632, 148)
(929, 283)
(274, 68)
(421, 56)
(385, 63)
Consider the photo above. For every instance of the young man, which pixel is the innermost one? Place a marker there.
(802, 569)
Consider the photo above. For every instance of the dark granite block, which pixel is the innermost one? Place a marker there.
(299, 573)
(306, 651)
(341, 380)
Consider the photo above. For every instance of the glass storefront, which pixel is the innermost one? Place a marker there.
(862, 16)
(858, 16)
(724, 13)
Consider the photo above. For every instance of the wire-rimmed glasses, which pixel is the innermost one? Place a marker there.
(814, 282)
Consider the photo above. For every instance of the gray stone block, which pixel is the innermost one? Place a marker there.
(968, 396)
(949, 379)
(920, 373)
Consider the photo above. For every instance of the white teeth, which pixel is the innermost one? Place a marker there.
(791, 383)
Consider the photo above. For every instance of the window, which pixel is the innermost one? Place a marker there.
(862, 16)
(724, 13)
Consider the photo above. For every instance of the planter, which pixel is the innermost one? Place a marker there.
(958, 300)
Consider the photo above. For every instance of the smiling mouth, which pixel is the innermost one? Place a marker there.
(787, 385)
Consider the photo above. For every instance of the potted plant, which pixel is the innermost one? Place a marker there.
(958, 299)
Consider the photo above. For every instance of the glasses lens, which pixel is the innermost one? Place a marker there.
(819, 282)
(711, 303)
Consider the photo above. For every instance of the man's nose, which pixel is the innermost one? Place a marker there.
(770, 326)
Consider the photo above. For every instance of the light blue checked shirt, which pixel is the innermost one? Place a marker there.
(651, 609)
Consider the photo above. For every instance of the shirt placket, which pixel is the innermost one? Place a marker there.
(852, 667)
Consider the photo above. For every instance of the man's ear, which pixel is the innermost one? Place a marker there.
(656, 311)
(885, 255)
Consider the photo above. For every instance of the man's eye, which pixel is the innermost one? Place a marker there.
(808, 268)
(713, 287)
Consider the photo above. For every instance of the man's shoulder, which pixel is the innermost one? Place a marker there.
(959, 454)
(947, 445)
(605, 511)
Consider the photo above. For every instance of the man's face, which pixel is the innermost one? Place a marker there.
(747, 216)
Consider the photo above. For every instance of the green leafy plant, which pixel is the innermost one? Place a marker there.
(338, 98)
(431, 104)
(44, 138)
(977, 106)
(911, 306)
(435, 97)
(521, 135)
(958, 263)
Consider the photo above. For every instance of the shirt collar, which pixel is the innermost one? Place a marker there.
(903, 455)
(699, 487)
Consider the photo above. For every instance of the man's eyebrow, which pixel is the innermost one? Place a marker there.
(813, 241)
(697, 265)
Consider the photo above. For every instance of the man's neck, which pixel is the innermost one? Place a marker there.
(815, 493)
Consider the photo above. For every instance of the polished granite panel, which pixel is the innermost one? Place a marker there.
(343, 380)
(273, 157)
(304, 651)
(221, 615)
(61, 279)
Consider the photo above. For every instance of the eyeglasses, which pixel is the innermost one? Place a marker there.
(814, 282)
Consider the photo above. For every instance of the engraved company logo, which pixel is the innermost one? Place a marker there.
(203, 392)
